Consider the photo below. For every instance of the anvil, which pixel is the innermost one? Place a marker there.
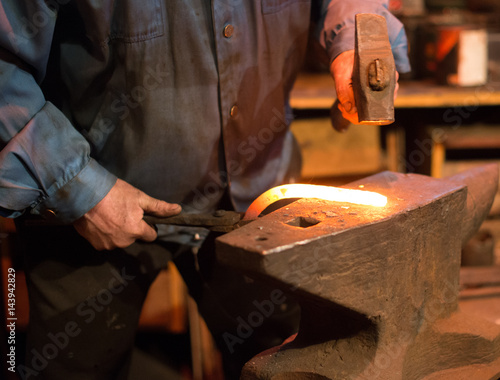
(378, 286)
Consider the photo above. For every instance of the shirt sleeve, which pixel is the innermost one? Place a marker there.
(336, 28)
(45, 163)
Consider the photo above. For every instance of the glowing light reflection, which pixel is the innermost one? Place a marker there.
(328, 193)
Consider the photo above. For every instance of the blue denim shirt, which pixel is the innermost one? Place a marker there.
(181, 98)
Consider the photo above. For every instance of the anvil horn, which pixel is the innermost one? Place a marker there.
(482, 184)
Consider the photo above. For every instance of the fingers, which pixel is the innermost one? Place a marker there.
(351, 115)
(148, 233)
(347, 105)
(339, 122)
(342, 71)
(397, 86)
(117, 220)
(156, 207)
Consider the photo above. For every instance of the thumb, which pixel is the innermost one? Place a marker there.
(156, 207)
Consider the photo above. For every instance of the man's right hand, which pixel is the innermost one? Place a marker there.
(117, 220)
(341, 70)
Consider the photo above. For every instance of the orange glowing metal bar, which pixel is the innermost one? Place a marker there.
(328, 193)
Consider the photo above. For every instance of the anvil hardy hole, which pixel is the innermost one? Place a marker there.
(303, 222)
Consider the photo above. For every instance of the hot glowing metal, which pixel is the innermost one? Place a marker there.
(328, 193)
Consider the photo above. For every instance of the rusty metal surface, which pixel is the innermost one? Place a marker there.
(220, 220)
(374, 78)
(373, 280)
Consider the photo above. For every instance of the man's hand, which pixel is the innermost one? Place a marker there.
(117, 220)
(341, 70)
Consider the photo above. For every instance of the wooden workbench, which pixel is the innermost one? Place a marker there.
(316, 91)
(421, 106)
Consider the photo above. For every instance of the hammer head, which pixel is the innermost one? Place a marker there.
(374, 76)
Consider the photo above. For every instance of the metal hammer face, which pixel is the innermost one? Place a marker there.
(374, 76)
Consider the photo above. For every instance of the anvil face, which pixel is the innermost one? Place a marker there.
(310, 219)
(368, 277)
(330, 250)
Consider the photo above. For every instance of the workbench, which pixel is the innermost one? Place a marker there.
(316, 90)
(428, 117)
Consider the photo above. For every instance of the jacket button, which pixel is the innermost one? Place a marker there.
(49, 214)
(234, 111)
(228, 31)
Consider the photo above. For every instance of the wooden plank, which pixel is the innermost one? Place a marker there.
(317, 91)
(487, 292)
(427, 94)
(437, 160)
(469, 137)
(165, 307)
(479, 276)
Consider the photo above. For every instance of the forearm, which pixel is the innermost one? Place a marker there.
(47, 166)
(44, 161)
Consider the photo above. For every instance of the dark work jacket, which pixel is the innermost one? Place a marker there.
(184, 99)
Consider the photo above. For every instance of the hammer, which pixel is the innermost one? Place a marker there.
(374, 74)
